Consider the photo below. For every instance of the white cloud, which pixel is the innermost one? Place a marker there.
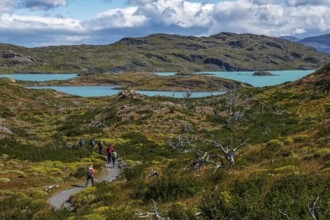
(6, 6)
(143, 17)
(118, 18)
(180, 13)
(36, 23)
(43, 4)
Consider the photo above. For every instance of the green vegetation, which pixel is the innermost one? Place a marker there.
(283, 170)
(162, 52)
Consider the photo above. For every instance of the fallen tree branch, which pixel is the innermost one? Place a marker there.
(286, 215)
(312, 208)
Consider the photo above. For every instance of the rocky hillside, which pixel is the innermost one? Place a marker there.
(320, 79)
(163, 52)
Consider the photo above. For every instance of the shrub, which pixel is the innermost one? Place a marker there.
(302, 139)
(4, 180)
(323, 141)
(94, 217)
(38, 194)
(170, 188)
(324, 152)
(179, 211)
(134, 172)
(288, 168)
(274, 145)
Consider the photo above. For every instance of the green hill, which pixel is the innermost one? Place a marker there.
(277, 163)
(163, 52)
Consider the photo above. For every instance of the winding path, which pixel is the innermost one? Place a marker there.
(61, 199)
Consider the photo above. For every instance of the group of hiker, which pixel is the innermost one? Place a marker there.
(111, 156)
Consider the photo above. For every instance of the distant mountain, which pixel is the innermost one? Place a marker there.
(164, 52)
(290, 38)
(321, 43)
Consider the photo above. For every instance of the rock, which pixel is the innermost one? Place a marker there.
(262, 73)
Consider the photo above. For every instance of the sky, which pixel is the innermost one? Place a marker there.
(37, 23)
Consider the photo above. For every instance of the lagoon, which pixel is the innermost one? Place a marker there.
(98, 91)
(279, 77)
(39, 77)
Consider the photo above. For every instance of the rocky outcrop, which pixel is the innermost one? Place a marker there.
(221, 65)
(262, 73)
(17, 58)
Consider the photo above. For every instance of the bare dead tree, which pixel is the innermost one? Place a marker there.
(187, 94)
(312, 207)
(187, 127)
(179, 142)
(155, 213)
(286, 215)
(206, 160)
(152, 174)
(229, 153)
(232, 101)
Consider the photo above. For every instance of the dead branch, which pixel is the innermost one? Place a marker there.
(153, 173)
(286, 215)
(229, 154)
(179, 142)
(312, 208)
(154, 213)
(206, 160)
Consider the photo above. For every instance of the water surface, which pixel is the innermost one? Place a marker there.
(39, 77)
(279, 77)
(97, 91)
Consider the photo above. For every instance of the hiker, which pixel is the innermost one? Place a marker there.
(110, 150)
(114, 157)
(92, 143)
(100, 145)
(81, 142)
(90, 175)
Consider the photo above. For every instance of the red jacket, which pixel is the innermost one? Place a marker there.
(91, 170)
(110, 149)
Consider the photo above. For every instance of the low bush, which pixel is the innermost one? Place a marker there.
(169, 188)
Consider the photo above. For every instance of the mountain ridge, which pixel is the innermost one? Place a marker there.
(165, 52)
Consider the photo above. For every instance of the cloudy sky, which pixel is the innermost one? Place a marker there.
(34, 23)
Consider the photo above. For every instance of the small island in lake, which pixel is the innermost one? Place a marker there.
(262, 73)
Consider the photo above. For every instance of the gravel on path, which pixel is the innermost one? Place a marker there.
(61, 199)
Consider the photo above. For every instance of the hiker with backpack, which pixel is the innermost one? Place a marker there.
(90, 175)
(110, 150)
(92, 143)
(100, 146)
(114, 157)
(81, 142)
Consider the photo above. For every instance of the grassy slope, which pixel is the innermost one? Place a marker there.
(286, 160)
(162, 52)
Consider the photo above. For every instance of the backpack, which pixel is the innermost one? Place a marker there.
(114, 154)
(92, 142)
(89, 173)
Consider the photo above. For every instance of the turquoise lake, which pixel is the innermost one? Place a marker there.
(97, 91)
(256, 81)
(39, 77)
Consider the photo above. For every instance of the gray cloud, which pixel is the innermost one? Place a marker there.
(262, 2)
(43, 4)
(307, 2)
